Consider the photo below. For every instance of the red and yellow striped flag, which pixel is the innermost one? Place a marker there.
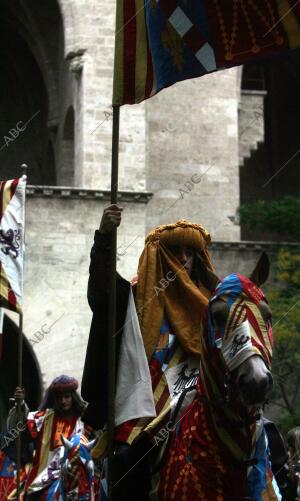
(12, 219)
(133, 72)
(161, 42)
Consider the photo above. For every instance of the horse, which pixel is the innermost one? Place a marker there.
(219, 449)
(77, 479)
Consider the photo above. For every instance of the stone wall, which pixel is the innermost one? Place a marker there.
(192, 151)
(189, 129)
(60, 225)
(241, 257)
(251, 123)
(182, 146)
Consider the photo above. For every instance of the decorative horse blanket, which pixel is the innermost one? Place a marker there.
(8, 478)
(219, 450)
(46, 427)
(195, 467)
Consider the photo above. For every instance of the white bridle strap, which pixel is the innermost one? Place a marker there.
(238, 346)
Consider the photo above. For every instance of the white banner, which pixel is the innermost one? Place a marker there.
(12, 246)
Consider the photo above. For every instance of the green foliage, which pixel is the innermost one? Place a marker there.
(282, 216)
(284, 298)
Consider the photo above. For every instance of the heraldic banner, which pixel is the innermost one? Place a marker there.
(161, 42)
(12, 222)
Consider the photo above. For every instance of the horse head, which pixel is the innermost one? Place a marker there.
(77, 470)
(220, 447)
(240, 329)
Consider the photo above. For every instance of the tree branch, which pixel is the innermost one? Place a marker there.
(285, 399)
(282, 406)
(294, 399)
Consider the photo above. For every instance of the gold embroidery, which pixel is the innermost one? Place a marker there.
(242, 9)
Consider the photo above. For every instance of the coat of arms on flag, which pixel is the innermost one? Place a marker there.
(161, 42)
(12, 219)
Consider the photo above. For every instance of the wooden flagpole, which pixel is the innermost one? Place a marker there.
(24, 168)
(19, 407)
(112, 305)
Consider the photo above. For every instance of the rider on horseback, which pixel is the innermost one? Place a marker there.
(160, 318)
(59, 414)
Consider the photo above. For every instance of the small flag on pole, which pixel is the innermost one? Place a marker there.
(12, 249)
(161, 42)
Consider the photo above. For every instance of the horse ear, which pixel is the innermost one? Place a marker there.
(261, 272)
(206, 276)
(66, 442)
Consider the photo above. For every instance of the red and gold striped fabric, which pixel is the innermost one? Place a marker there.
(261, 336)
(7, 191)
(130, 430)
(161, 42)
(7, 296)
(12, 208)
(133, 74)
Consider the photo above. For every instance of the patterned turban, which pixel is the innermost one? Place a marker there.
(164, 287)
(181, 233)
(63, 384)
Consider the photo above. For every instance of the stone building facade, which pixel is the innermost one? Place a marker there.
(181, 154)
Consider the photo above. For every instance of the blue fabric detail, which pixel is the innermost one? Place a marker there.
(103, 490)
(52, 490)
(165, 328)
(211, 331)
(7, 471)
(231, 287)
(75, 440)
(84, 453)
(170, 351)
(160, 355)
(166, 71)
(257, 479)
(164, 355)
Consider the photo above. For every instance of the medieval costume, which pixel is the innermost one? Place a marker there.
(45, 428)
(160, 319)
(8, 477)
(8, 469)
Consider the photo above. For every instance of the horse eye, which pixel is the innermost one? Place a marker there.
(266, 313)
(220, 312)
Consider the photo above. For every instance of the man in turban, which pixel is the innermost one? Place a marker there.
(159, 322)
(59, 414)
